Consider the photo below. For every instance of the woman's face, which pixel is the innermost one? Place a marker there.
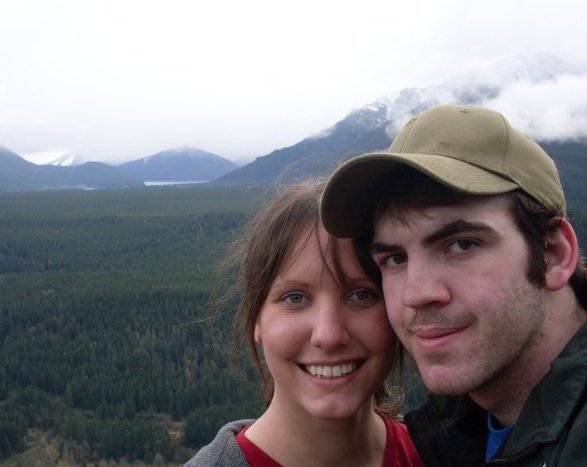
(327, 348)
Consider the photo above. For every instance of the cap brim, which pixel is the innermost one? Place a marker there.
(348, 200)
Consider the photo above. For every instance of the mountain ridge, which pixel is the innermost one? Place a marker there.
(179, 164)
(366, 129)
(373, 126)
(17, 174)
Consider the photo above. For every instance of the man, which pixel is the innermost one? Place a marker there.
(483, 282)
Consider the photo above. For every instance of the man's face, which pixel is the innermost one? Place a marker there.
(457, 294)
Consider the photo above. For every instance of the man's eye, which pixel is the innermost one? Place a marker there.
(394, 260)
(461, 246)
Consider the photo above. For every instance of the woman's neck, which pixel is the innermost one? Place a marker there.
(294, 437)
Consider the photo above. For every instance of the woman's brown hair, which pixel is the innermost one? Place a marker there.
(260, 253)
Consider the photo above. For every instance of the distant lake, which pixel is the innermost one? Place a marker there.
(175, 183)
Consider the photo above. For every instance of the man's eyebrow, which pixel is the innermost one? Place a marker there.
(458, 227)
(450, 229)
(381, 247)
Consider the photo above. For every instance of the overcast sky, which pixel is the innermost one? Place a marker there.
(123, 79)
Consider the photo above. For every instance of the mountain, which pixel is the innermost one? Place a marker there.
(17, 174)
(180, 164)
(372, 127)
(359, 132)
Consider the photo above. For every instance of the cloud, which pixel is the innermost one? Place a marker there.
(125, 79)
(550, 110)
(540, 95)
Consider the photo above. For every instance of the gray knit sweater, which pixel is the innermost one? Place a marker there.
(223, 450)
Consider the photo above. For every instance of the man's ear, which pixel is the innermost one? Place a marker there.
(561, 256)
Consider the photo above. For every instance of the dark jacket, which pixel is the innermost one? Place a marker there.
(551, 429)
(223, 450)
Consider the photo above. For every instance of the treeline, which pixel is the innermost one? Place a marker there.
(105, 320)
(115, 438)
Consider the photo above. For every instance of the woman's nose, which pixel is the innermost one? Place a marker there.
(329, 325)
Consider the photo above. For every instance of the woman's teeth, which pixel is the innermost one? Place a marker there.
(326, 371)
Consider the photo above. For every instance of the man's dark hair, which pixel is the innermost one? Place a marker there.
(406, 188)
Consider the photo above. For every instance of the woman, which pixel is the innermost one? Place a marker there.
(319, 321)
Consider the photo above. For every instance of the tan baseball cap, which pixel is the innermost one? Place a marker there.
(470, 149)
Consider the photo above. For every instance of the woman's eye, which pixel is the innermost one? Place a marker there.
(294, 298)
(363, 296)
(461, 246)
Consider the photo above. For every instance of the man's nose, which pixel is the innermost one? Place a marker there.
(424, 284)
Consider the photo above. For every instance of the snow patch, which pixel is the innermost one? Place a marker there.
(63, 158)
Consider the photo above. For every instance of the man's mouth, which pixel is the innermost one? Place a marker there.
(435, 333)
(434, 339)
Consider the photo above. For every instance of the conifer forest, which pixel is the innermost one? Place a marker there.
(110, 348)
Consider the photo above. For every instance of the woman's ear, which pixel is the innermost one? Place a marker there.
(561, 256)
(257, 334)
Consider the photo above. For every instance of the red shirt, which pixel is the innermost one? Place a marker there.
(399, 449)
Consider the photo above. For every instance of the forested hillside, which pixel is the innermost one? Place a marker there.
(101, 346)
(108, 346)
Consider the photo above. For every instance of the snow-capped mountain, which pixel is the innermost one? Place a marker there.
(540, 94)
(61, 158)
(18, 174)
